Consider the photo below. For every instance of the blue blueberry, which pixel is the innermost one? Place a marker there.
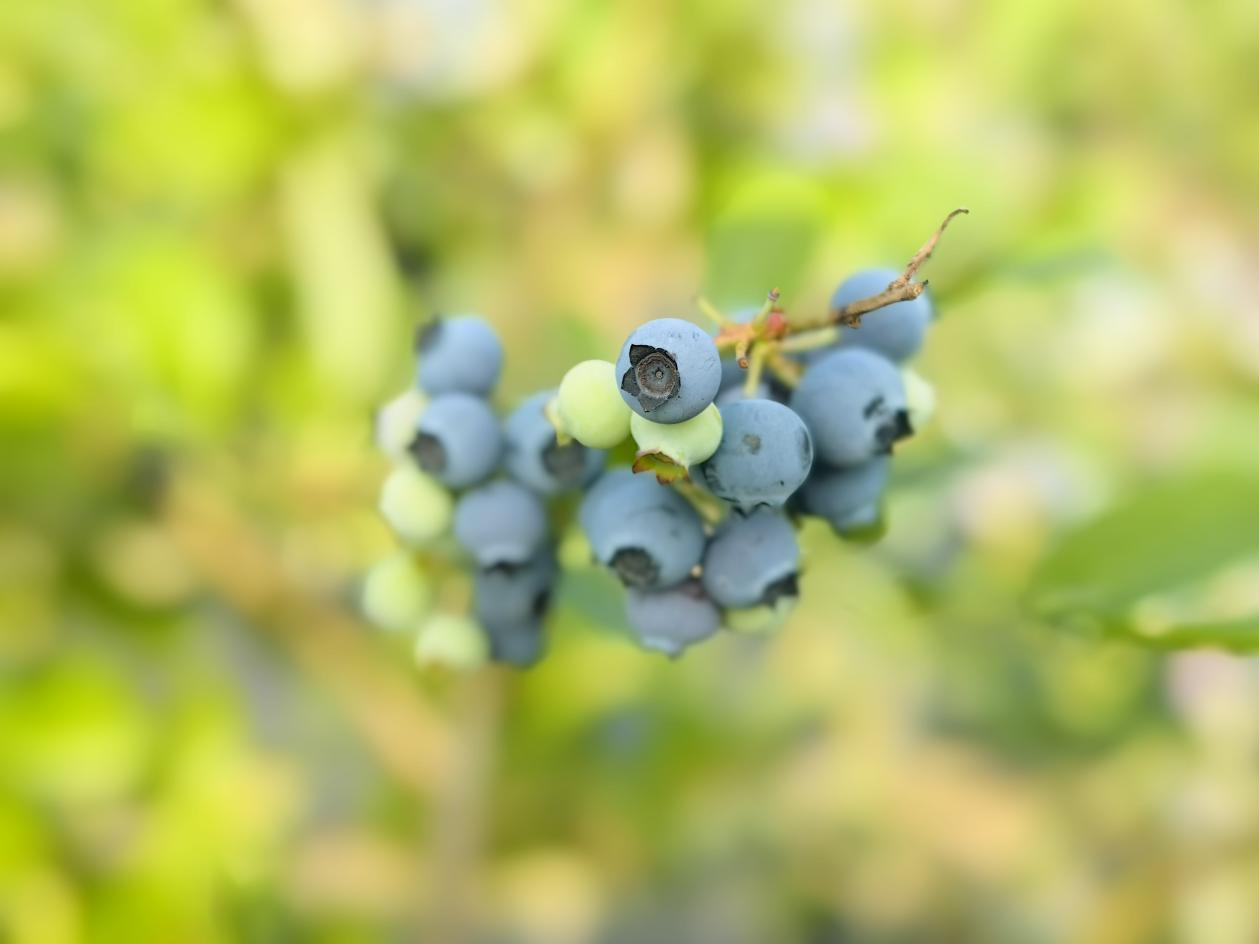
(671, 620)
(647, 534)
(534, 457)
(500, 524)
(896, 331)
(457, 440)
(847, 498)
(460, 354)
(764, 456)
(511, 603)
(853, 401)
(668, 370)
(752, 560)
(618, 490)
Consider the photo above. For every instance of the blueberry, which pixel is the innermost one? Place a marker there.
(396, 594)
(536, 459)
(853, 402)
(590, 407)
(458, 355)
(649, 535)
(511, 604)
(896, 331)
(752, 561)
(668, 370)
(500, 524)
(764, 456)
(847, 498)
(415, 505)
(619, 489)
(457, 440)
(669, 621)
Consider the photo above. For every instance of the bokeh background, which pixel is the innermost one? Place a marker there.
(1017, 718)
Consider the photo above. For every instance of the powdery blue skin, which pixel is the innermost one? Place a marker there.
(520, 644)
(846, 498)
(500, 523)
(648, 534)
(765, 455)
(468, 433)
(897, 331)
(698, 369)
(853, 401)
(752, 560)
(618, 492)
(511, 605)
(670, 621)
(512, 594)
(533, 457)
(458, 354)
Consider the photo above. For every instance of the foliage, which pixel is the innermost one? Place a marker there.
(218, 224)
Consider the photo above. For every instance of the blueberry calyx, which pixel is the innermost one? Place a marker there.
(652, 378)
(635, 567)
(429, 453)
(893, 431)
(788, 586)
(566, 463)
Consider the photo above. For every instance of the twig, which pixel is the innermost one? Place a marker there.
(900, 289)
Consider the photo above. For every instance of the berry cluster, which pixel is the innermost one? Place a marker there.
(736, 435)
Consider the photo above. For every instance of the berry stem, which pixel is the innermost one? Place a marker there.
(552, 414)
(756, 364)
(784, 369)
(772, 332)
(809, 340)
(711, 312)
(706, 505)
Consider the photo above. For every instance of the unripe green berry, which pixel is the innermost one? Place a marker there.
(451, 641)
(590, 407)
(920, 398)
(415, 505)
(396, 595)
(687, 443)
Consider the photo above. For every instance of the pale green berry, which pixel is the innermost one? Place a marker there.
(415, 505)
(687, 443)
(395, 423)
(590, 407)
(451, 641)
(920, 398)
(396, 594)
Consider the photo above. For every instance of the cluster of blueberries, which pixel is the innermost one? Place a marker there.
(711, 544)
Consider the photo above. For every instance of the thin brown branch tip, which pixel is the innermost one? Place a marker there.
(900, 289)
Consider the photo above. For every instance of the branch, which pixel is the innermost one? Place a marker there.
(901, 289)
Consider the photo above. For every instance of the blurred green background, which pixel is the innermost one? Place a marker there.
(219, 222)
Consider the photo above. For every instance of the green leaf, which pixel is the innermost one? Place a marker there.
(1170, 536)
(1237, 635)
